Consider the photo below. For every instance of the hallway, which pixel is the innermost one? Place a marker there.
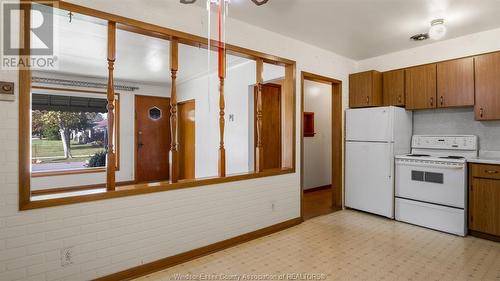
(317, 203)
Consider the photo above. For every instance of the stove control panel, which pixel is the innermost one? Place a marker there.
(449, 142)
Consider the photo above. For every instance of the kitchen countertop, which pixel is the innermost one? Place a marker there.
(486, 157)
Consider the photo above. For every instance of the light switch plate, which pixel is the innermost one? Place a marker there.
(7, 91)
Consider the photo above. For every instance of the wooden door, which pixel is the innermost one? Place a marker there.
(152, 138)
(487, 72)
(420, 87)
(484, 206)
(455, 83)
(365, 89)
(271, 125)
(394, 87)
(186, 133)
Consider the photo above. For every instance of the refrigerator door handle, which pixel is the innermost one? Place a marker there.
(391, 161)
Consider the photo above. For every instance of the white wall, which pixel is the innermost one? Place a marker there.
(127, 132)
(318, 149)
(112, 235)
(468, 45)
(238, 138)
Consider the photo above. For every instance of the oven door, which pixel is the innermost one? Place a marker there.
(443, 184)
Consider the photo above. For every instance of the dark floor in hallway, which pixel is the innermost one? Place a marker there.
(317, 203)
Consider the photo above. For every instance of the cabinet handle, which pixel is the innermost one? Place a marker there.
(491, 172)
(481, 112)
(367, 99)
(432, 101)
(441, 100)
(399, 99)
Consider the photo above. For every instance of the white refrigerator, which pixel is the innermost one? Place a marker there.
(373, 137)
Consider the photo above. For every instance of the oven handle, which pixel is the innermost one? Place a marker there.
(431, 165)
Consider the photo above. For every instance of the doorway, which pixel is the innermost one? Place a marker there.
(186, 138)
(271, 125)
(152, 138)
(327, 196)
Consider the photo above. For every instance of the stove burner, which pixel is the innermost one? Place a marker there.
(418, 155)
(452, 157)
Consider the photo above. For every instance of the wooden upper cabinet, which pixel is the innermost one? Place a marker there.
(487, 73)
(394, 87)
(455, 83)
(365, 89)
(420, 87)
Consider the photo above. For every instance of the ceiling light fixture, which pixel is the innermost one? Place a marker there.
(437, 30)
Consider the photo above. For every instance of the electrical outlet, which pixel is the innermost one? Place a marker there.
(67, 256)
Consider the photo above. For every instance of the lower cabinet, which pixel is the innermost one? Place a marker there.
(484, 199)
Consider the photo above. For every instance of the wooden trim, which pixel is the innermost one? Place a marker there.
(110, 169)
(67, 172)
(174, 145)
(291, 86)
(259, 148)
(146, 188)
(155, 266)
(24, 109)
(152, 30)
(318, 188)
(59, 190)
(337, 137)
(484, 235)
(222, 106)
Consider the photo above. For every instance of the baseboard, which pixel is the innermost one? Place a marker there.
(318, 188)
(484, 235)
(158, 265)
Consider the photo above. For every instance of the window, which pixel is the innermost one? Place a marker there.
(68, 132)
(220, 131)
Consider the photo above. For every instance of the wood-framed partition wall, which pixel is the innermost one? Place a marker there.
(337, 136)
(175, 37)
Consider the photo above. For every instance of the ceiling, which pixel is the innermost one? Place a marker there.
(361, 29)
(81, 47)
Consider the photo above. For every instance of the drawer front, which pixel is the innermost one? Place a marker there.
(486, 171)
(437, 217)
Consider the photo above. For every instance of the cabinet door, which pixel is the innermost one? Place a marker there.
(484, 206)
(420, 87)
(394, 87)
(365, 89)
(487, 72)
(455, 83)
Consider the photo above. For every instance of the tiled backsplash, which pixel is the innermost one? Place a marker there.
(457, 121)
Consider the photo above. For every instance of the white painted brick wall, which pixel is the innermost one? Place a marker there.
(113, 235)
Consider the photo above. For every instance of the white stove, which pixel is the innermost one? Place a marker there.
(431, 183)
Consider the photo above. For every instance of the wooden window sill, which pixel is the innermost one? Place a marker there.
(79, 196)
(70, 172)
(67, 172)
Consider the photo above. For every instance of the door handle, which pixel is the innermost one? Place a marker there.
(139, 140)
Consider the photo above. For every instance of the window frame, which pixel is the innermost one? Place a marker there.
(26, 202)
(116, 136)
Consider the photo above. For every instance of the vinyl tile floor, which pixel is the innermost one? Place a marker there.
(347, 245)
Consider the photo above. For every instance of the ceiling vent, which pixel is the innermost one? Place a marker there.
(420, 37)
